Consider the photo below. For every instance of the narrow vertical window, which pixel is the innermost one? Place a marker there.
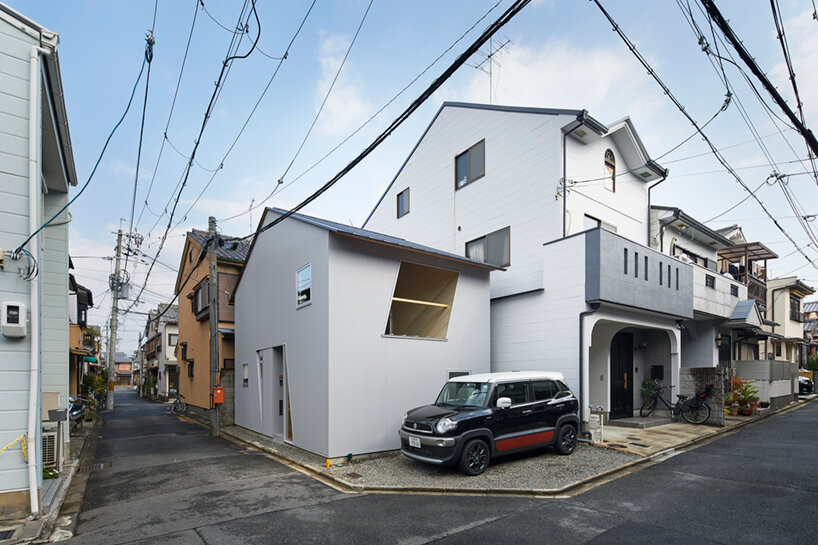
(669, 281)
(677, 278)
(610, 171)
(661, 268)
(245, 374)
(303, 285)
(626, 261)
(636, 264)
(646, 267)
(403, 203)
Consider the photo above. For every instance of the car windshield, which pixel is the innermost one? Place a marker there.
(463, 394)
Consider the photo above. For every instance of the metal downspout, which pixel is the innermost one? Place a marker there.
(34, 207)
(664, 177)
(580, 119)
(581, 396)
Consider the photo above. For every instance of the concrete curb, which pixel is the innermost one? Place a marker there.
(347, 486)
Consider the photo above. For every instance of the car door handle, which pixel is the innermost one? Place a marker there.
(527, 411)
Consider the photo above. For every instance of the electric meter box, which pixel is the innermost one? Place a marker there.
(13, 319)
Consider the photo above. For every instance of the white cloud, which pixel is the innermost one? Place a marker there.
(347, 105)
(608, 83)
(803, 43)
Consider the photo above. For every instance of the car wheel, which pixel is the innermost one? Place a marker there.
(475, 457)
(566, 439)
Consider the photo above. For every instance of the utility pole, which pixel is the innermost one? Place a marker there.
(213, 304)
(114, 283)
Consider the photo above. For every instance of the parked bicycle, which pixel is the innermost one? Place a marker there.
(179, 407)
(694, 410)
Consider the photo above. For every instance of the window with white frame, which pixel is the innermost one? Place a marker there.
(610, 171)
(303, 285)
(494, 248)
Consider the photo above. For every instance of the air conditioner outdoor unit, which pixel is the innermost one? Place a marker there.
(50, 449)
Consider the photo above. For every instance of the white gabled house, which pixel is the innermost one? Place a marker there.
(340, 330)
(563, 203)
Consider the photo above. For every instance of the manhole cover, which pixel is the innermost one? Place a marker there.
(353, 475)
(6, 534)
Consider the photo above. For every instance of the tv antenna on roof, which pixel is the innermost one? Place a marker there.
(489, 61)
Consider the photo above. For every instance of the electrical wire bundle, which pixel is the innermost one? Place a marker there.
(31, 269)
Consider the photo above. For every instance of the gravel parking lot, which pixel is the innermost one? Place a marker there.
(539, 470)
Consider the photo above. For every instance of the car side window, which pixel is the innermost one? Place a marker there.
(516, 391)
(544, 389)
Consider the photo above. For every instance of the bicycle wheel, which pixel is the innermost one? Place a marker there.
(696, 414)
(648, 407)
(178, 408)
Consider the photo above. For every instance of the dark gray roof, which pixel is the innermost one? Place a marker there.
(121, 357)
(381, 238)
(743, 309)
(234, 249)
(811, 306)
(809, 325)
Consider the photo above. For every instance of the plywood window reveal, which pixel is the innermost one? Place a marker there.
(403, 203)
(422, 302)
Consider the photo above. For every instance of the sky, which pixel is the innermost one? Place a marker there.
(554, 54)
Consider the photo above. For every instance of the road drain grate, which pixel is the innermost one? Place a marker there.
(94, 467)
(6, 534)
(353, 475)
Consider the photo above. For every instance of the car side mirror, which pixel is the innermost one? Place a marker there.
(504, 403)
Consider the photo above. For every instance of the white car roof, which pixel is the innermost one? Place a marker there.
(508, 376)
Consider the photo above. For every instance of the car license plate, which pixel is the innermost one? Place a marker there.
(414, 442)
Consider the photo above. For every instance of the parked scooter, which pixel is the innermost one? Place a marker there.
(76, 412)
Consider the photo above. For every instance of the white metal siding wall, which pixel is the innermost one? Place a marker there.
(368, 370)
(523, 166)
(54, 301)
(540, 331)
(14, 375)
(626, 208)
(266, 316)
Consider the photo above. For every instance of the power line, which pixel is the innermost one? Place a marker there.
(172, 106)
(253, 111)
(99, 159)
(684, 112)
(711, 8)
(208, 112)
(365, 123)
(471, 50)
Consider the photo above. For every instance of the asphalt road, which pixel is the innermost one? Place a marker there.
(165, 481)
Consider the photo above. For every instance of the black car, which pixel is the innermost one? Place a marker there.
(805, 386)
(479, 417)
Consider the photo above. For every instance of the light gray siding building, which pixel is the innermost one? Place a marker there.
(36, 169)
(563, 203)
(340, 330)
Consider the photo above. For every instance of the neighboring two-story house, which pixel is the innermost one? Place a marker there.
(785, 312)
(193, 348)
(159, 351)
(122, 368)
(562, 202)
(36, 170)
(81, 353)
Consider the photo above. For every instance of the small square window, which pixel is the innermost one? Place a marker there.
(494, 248)
(303, 284)
(470, 165)
(190, 369)
(403, 203)
(733, 290)
(173, 338)
(710, 281)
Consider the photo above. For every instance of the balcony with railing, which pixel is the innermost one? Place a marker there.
(747, 263)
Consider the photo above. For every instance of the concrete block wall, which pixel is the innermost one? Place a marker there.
(693, 379)
(776, 380)
(228, 410)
